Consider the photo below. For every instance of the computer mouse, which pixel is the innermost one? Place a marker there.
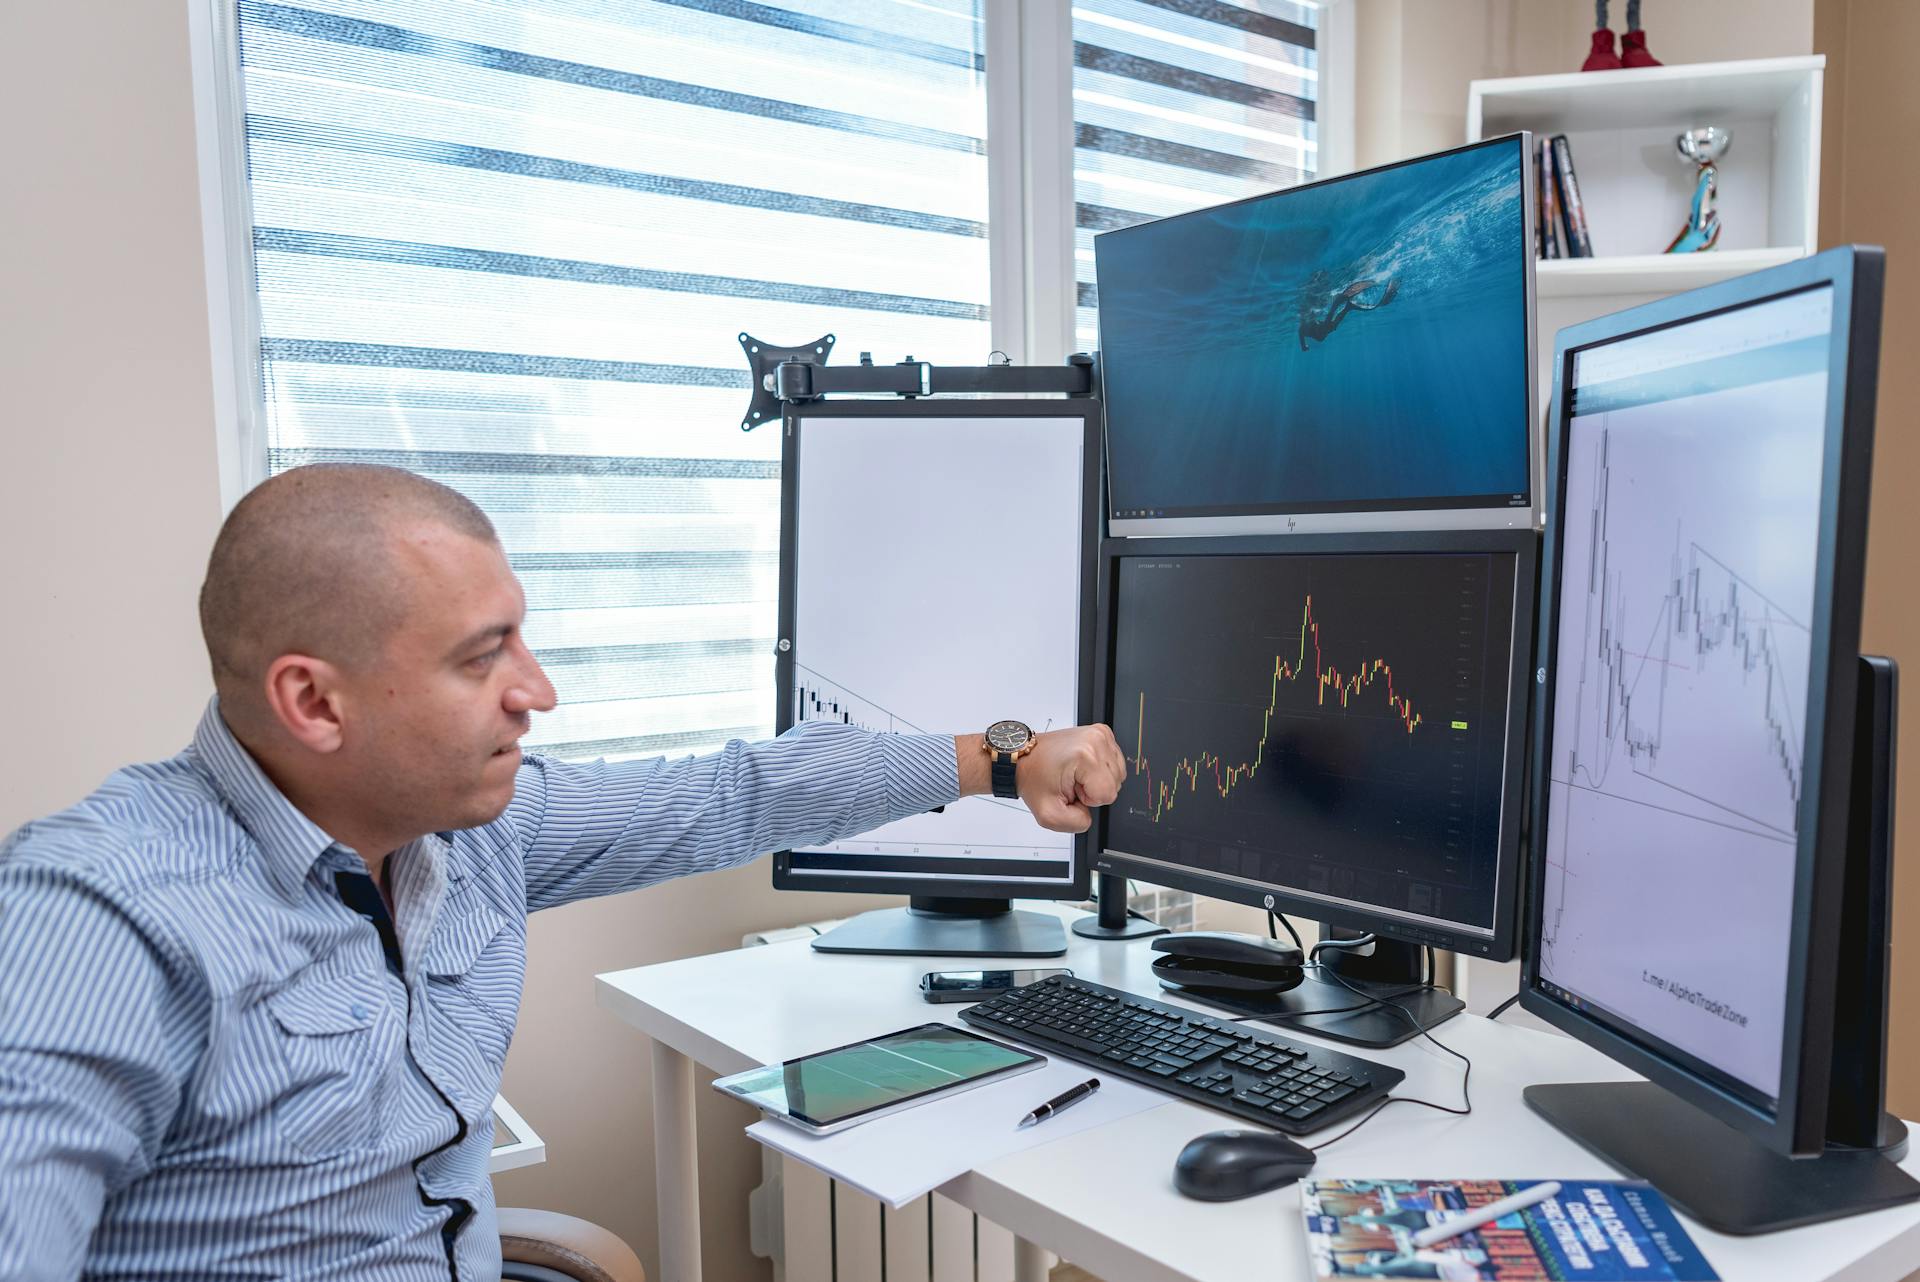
(1223, 1165)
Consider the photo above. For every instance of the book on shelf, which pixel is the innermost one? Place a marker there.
(1573, 210)
(1548, 214)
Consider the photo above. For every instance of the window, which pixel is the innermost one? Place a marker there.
(1179, 104)
(511, 246)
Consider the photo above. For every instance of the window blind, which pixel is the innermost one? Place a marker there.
(510, 246)
(1180, 104)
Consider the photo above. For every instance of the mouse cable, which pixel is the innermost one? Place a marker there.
(1368, 1000)
(1282, 1018)
(1501, 1009)
(1466, 1078)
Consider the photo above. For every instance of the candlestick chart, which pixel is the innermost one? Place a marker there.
(1331, 720)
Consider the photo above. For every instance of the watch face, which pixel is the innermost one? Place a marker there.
(1008, 736)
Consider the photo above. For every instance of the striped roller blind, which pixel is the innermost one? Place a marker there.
(1179, 104)
(509, 245)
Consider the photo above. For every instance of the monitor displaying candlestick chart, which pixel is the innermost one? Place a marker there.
(1333, 720)
(1690, 539)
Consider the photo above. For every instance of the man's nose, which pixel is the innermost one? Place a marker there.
(532, 692)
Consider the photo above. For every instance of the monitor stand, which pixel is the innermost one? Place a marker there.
(1394, 973)
(1723, 1178)
(934, 927)
(1115, 920)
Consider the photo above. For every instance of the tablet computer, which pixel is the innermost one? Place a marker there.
(831, 1090)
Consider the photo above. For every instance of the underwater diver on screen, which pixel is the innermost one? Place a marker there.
(1323, 307)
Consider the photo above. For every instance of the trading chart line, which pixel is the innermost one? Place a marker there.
(1708, 614)
(1326, 679)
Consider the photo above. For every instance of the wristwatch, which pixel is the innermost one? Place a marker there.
(1006, 742)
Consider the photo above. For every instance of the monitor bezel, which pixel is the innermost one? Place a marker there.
(1495, 945)
(1797, 1123)
(793, 419)
(1359, 516)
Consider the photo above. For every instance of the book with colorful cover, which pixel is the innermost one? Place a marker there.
(1604, 1230)
(1572, 208)
(1550, 203)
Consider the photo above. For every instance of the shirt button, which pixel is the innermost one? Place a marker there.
(358, 1011)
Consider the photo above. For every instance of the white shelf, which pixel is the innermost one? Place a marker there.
(1621, 125)
(1651, 273)
(1638, 96)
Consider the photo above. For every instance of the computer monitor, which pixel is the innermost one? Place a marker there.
(1354, 354)
(1700, 870)
(936, 576)
(1329, 725)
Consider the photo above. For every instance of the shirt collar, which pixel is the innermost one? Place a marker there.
(290, 842)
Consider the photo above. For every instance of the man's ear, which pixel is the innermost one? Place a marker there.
(305, 696)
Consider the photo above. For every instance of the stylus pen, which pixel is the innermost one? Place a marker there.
(1072, 1095)
(1468, 1220)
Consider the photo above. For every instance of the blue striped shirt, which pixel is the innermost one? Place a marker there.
(209, 1068)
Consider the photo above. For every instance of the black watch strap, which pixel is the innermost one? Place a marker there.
(1003, 777)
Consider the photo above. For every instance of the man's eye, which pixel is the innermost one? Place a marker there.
(481, 662)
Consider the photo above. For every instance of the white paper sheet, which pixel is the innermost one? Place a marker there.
(898, 1158)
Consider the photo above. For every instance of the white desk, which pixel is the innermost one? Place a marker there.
(514, 1143)
(1104, 1198)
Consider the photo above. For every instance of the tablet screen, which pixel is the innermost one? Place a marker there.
(833, 1086)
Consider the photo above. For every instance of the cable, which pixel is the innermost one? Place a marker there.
(1499, 1010)
(1361, 945)
(1292, 934)
(1466, 1078)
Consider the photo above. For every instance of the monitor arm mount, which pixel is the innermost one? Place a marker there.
(792, 375)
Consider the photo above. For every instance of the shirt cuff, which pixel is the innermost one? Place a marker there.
(922, 771)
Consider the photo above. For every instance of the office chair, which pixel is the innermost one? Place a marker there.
(546, 1246)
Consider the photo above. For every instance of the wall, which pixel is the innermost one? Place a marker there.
(1869, 192)
(106, 439)
(1415, 57)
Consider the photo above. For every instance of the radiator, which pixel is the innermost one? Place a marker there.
(815, 1229)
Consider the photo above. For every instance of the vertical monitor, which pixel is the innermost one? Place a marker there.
(1686, 696)
(903, 608)
(1350, 354)
(1332, 721)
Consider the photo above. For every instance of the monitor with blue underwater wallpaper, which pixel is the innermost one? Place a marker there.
(1351, 354)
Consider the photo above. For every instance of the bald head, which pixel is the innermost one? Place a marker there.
(309, 563)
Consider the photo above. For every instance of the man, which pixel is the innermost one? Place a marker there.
(1322, 307)
(254, 1000)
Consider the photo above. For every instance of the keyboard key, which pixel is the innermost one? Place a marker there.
(1300, 1113)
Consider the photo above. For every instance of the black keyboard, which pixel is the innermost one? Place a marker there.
(1254, 1076)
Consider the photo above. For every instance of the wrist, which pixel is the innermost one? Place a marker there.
(970, 755)
(974, 761)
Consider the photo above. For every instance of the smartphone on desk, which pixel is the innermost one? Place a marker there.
(978, 985)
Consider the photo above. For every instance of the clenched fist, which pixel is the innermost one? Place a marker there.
(1064, 775)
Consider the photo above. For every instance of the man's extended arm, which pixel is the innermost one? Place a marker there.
(597, 829)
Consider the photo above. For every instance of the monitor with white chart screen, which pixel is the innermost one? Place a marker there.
(936, 571)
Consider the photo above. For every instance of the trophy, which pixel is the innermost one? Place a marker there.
(1701, 146)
